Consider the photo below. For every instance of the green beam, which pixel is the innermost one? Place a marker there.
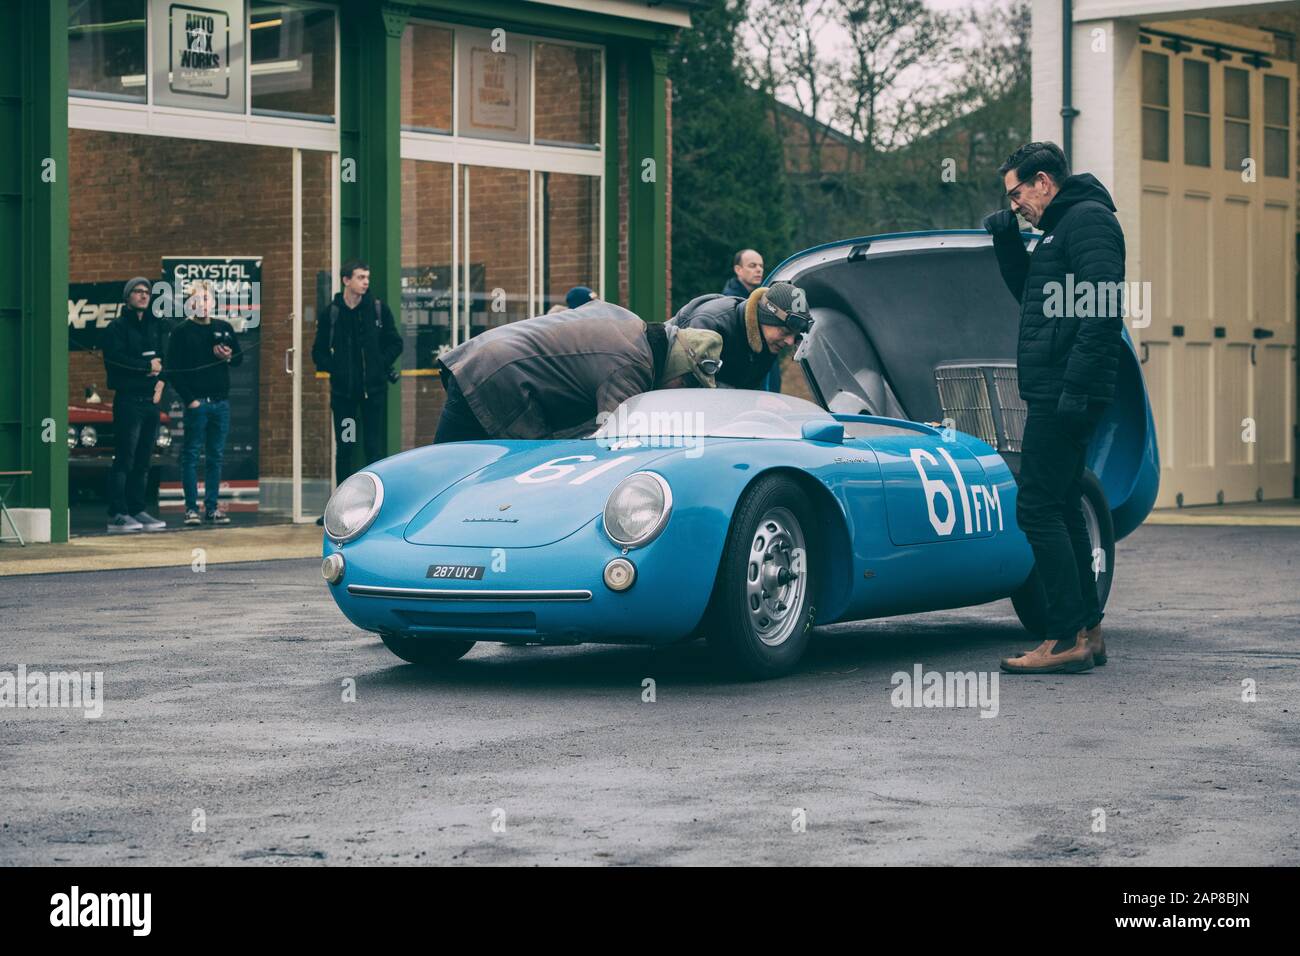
(613, 163)
(537, 18)
(370, 137)
(647, 168)
(34, 94)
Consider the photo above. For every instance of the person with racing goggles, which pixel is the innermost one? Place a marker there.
(754, 330)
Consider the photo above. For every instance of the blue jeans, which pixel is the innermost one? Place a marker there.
(205, 427)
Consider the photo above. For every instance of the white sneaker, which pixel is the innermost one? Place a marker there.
(123, 524)
(149, 522)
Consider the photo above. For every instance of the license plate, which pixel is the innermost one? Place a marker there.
(456, 572)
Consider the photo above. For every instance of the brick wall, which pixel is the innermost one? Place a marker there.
(135, 199)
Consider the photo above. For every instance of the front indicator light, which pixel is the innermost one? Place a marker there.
(620, 574)
(331, 569)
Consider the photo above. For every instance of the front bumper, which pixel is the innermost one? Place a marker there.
(551, 594)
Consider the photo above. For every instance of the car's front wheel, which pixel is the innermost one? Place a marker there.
(761, 612)
(426, 651)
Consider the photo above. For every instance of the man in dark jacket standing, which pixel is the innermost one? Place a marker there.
(754, 330)
(747, 274)
(1067, 357)
(132, 346)
(356, 342)
(554, 376)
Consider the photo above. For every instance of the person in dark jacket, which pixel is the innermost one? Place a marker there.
(747, 274)
(556, 376)
(1068, 357)
(356, 343)
(132, 347)
(754, 330)
(200, 354)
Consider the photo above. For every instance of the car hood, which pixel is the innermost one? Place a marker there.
(534, 494)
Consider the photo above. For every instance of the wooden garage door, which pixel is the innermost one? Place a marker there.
(1218, 247)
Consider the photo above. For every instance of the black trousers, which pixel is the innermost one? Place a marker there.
(135, 429)
(371, 414)
(1049, 512)
(457, 422)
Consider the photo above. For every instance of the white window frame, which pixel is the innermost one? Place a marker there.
(459, 152)
(149, 119)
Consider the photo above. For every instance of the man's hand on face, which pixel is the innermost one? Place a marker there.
(1002, 220)
(155, 365)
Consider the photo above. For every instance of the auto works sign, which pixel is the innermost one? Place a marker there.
(198, 54)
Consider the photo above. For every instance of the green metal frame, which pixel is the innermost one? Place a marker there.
(647, 191)
(34, 237)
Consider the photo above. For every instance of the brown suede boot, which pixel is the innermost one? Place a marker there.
(1044, 660)
(1097, 643)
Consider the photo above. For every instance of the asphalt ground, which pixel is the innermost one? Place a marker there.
(224, 693)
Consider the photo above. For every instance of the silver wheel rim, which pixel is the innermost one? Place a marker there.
(1094, 539)
(776, 577)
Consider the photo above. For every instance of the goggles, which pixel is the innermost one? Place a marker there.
(709, 366)
(796, 322)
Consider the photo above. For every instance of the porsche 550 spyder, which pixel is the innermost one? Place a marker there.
(747, 517)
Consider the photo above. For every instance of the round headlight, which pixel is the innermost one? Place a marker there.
(89, 436)
(353, 506)
(72, 437)
(637, 509)
(164, 436)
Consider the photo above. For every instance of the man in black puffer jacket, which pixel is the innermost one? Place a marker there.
(1071, 322)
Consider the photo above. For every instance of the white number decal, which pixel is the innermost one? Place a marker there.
(984, 499)
(553, 470)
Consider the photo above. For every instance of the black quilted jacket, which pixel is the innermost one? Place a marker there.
(1070, 356)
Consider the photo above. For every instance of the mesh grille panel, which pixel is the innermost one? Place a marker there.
(1006, 385)
(964, 396)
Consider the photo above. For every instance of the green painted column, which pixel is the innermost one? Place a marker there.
(370, 157)
(647, 162)
(613, 163)
(34, 242)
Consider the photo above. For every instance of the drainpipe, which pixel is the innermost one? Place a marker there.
(1068, 112)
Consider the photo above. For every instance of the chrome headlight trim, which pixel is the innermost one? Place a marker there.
(375, 505)
(658, 526)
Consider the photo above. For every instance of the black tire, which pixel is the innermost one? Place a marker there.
(426, 651)
(741, 644)
(1030, 600)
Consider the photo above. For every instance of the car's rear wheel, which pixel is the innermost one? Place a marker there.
(426, 651)
(1030, 600)
(761, 612)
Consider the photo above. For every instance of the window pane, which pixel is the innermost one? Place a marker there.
(1277, 92)
(1155, 79)
(1275, 151)
(106, 56)
(497, 221)
(426, 293)
(568, 95)
(1196, 140)
(492, 86)
(570, 239)
(1196, 86)
(292, 59)
(1236, 93)
(1236, 144)
(426, 78)
(1155, 134)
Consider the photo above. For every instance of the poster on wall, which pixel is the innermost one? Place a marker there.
(198, 54)
(493, 83)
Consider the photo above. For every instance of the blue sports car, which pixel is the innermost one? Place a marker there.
(747, 517)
